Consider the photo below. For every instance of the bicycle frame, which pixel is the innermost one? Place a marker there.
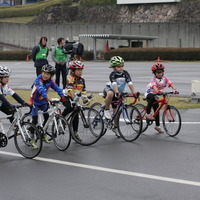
(120, 104)
(16, 121)
(162, 102)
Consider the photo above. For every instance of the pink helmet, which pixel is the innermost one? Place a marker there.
(157, 66)
(76, 65)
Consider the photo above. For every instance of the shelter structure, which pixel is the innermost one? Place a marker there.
(129, 38)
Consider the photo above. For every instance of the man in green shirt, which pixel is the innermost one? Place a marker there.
(60, 58)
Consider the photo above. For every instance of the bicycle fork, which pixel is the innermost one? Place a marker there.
(169, 114)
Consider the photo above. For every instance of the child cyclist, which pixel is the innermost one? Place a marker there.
(5, 106)
(39, 98)
(156, 85)
(118, 80)
(75, 84)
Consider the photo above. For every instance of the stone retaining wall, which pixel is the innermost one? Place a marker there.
(171, 12)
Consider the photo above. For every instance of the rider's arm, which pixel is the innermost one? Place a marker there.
(18, 98)
(173, 86)
(132, 89)
(4, 100)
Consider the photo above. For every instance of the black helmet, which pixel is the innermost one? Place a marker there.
(49, 69)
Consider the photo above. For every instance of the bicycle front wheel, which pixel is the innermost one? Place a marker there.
(129, 123)
(86, 126)
(24, 137)
(142, 110)
(61, 133)
(171, 121)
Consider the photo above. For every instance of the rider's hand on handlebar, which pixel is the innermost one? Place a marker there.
(25, 104)
(117, 94)
(159, 92)
(135, 95)
(64, 101)
(175, 92)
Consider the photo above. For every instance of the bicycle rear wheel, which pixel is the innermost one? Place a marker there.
(61, 133)
(129, 123)
(142, 110)
(86, 126)
(171, 121)
(23, 138)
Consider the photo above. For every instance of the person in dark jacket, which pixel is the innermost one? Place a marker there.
(40, 54)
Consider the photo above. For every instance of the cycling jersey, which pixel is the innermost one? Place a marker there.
(160, 83)
(77, 84)
(6, 90)
(119, 78)
(40, 90)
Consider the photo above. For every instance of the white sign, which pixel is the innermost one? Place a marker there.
(145, 1)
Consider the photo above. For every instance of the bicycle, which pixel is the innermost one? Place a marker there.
(24, 133)
(129, 125)
(86, 124)
(56, 127)
(171, 117)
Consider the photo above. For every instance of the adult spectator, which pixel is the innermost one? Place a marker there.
(60, 58)
(40, 54)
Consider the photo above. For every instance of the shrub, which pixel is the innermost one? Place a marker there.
(14, 55)
(88, 55)
(143, 54)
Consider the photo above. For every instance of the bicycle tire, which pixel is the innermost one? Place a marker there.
(27, 118)
(142, 110)
(23, 144)
(171, 119)
(129, 124)
(61, 133)
(90, 132)
(98, 106)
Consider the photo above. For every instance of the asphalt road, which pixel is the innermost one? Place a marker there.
(154, 167)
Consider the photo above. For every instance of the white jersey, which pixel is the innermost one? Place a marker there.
(5, 90)
(160, 83)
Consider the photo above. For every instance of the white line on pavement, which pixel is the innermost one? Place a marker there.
(104, 169)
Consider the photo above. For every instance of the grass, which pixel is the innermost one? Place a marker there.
(30, 9)
(178, 102)
(22, 20)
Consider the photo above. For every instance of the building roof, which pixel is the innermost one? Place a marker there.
(119, 37)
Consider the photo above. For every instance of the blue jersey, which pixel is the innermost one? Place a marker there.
(40, 90)
(119, 78)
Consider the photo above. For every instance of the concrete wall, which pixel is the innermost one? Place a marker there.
(170, 34)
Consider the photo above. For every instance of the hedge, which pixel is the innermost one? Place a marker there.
(22, 55)
(14, 55)
(144, 54)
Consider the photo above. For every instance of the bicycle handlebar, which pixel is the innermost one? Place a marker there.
(165, 93)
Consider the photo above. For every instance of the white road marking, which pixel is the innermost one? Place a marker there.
(104, 169)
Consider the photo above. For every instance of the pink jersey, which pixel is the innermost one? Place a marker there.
(159, 83)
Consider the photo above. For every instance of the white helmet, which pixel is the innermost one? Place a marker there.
(4, 71)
